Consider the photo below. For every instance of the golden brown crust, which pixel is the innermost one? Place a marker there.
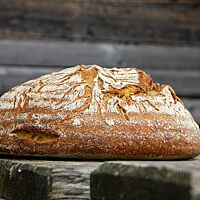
(94, 113)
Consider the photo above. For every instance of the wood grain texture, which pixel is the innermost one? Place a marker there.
(146, 180)
(42, 180)
(67, 179)
(14, 184)
(62, 53)
(130, 21)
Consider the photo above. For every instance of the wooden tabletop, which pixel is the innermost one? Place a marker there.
(38, 178)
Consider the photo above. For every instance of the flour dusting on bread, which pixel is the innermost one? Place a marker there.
(93, 89)
(88, 111)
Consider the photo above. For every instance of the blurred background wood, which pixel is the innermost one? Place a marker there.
(149, 21)
(161, 37)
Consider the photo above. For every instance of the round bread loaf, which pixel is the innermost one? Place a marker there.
(92, 112)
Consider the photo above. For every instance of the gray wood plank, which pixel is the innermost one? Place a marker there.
(152, 180)
(112, 20)
(43, 179)
(61, 53)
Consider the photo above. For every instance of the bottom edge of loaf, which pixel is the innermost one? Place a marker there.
(153, 150)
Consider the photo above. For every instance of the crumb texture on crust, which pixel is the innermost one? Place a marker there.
(84, 100)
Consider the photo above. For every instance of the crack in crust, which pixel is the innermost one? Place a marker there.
(37, 136)
(144, 84)
(88, 88)
(92, 75)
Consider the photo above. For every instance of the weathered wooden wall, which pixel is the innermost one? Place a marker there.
(141, 21)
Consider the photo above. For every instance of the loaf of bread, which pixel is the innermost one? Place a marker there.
(90, 112)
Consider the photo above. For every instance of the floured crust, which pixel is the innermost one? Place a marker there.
(94, 112)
